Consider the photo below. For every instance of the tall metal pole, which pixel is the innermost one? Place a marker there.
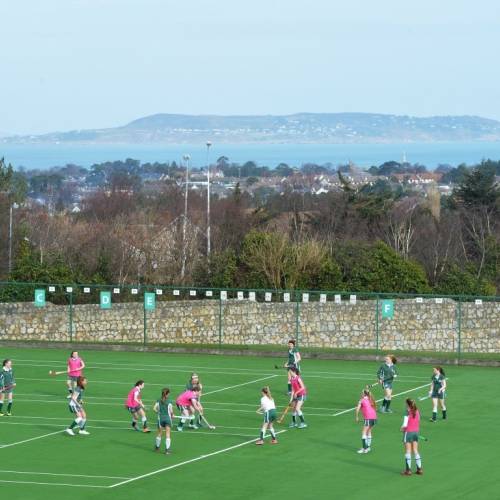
(186, 159)
(208, 198)
(10, 238)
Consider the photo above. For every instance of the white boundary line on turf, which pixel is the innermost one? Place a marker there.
(31, 439)
(174, 466)
(73, 485)
(239, 385)
(378, 400)
(58, 474)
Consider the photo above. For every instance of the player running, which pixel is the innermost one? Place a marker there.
(298, 396)
(293, 361)
(135, 406)
(76, 407)
(164, 409)
(193, 382)
(368, 408)
(267, 407)
(75, 367)
(437, 392)
(411, 427)
(386, 375)
(7, 384)
(188, 405)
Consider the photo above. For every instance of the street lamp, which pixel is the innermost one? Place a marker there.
(12, 207)
(186, 159)
(208, 199)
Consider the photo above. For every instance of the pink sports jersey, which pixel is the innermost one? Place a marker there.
(369, 412)
(74, 365)
(131, 398)
(185, 398)
(297, 389)
(413, 422)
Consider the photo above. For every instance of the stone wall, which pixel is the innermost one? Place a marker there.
(415, 326)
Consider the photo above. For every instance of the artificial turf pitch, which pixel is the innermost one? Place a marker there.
(37, 460)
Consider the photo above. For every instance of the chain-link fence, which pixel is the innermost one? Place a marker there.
(199, 316)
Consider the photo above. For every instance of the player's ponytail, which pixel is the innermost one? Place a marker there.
(267, 392)
(440, 370)
(164, 393)
(393, 359)
(80, 382)
(412, 406)
(369, 395)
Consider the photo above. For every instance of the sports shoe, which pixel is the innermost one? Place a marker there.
(293, 424)
(8, 414)
(388, 410)
(146, 430)
(260, 442)
(302, 425)
(70, 432)
(2, 414)
(180, 429)
(193, 426)
(419, 472)
(367, 450)
(84, 432)
(274, 441)
(406, 473)
(432, 420)
(361, 450)
(156, 448)
(168, 452)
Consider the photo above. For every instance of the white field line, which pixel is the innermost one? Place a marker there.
(182, 368)
(191, 367)
(381, 399)
(72, 485)
(60, 380)
(180, 464)
(31, 439)
(239, 385)
(58, 474)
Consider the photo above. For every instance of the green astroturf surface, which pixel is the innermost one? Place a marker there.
(459, 458)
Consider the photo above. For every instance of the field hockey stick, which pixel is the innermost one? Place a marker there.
(206, 421)
(423, 398)
(423, 438)
(54, 373)
(283, 415)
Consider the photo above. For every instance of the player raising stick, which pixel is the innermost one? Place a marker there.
(386, 375)
(75, 367)
(411, 427)
(188, 405)
(7, 384)
(298, 397)
(437, 392)
(293, 361)
(76, 407)
(267, 407)
(163, 407)
(135, 407)
(368, 408)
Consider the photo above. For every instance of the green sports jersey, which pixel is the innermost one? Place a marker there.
(292, 356)
(7, 378)
(164, 408)
(79, 393)
(387, 372)
(437, 382)
(189, 386)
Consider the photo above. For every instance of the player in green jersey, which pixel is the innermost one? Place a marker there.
(76, 407)
(164, 409)
(293, 361)
(195, 381)
(7, 384)
(386, 375)
(437, 392)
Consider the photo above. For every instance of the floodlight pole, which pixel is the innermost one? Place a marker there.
(186, 159)
(208, 198)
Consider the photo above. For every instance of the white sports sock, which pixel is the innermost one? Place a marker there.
(168, 441)
(158, 441)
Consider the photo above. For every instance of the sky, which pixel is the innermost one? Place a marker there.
(75, 64)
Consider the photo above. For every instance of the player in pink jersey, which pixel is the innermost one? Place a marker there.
(188, 404)
(368, 408)
(75, 367)
(135, 406)
(411, 428)
(298, 396)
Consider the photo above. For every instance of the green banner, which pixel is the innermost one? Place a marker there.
(40, 297)
(149, 301)
(388, 308)
(105, 300)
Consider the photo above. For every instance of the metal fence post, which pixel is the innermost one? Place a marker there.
(145, 336)
(70, 326)
(220, 320)
(459, 327)
(377, 328)
(297, 318)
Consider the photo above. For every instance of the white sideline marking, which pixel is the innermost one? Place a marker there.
(73, 485)
(381, 399)
(31, 439)
(201, 457)
(59, 380)
(239, 385)
(58, 474)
